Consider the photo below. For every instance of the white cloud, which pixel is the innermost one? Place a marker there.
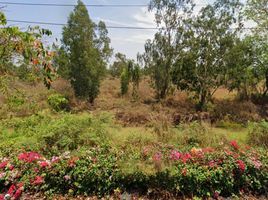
(144, 18)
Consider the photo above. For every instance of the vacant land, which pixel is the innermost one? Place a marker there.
(122, 146)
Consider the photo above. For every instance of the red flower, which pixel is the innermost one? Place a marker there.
(20, 185)
(157, 157)
(38, 180)
(3, 164)
(234, 144)
(11, 189)
(208, 150)
(72, 161)
(241, 165)
(17, 194)
(2, 197)
(11, 167)
(44, 164)
(184, 171)
(185, 157)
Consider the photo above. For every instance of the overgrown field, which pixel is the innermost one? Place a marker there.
(53, 144)
(85, 154)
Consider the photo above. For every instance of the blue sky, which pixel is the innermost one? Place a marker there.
(126, 41)
(129, 42)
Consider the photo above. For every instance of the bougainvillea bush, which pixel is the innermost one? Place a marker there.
(205, 172)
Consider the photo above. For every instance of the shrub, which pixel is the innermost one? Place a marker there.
(203, 173)
(198, 134)
(58, 102)
(258, 134)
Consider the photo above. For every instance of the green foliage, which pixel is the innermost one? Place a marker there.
(200, 173)
(87, 47)
(25, 73)
(61, 61)
(119, 65)
(49, 134)
(197, 134)
(201, 66)
(124, 79)
(258, 134)
(27, 47)
(58, 102)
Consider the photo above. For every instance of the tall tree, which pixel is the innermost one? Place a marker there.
(160, 54)
(201, 66)
(242, 75)
(257, 11)
(88, 49)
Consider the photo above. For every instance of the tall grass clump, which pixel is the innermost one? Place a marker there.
(199, 134)
(258, 134)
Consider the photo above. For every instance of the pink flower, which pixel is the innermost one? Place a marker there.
(212, 164)
(2, 197)
(234, 144)
(257, 164)
(38, 180)
(157, 157)
(67, 177)
(3, 164)
(55, 159)
(29, 156)
(175, 155)
(2, 175)
(216, 195)
(44, 164)
(241, 165)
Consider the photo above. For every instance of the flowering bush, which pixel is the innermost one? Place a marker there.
(203, 172)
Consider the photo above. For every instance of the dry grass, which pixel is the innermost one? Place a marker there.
(178, 107)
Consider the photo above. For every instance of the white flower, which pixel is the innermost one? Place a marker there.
(7, 197)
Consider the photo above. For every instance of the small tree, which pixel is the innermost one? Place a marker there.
(132, 75)
(124, 81)
(119, 65)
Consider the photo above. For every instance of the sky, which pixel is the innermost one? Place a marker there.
(129, 42)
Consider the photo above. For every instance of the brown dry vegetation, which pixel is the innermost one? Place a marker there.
(178, 107)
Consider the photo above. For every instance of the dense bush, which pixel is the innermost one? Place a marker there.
(203, 172)
(58, 102)
(258, 134)
(47, 134)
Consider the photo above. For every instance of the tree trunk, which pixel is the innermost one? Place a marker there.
(202, 100)
(266, 84)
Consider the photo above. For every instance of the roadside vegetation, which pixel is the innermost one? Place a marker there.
(188, 119)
